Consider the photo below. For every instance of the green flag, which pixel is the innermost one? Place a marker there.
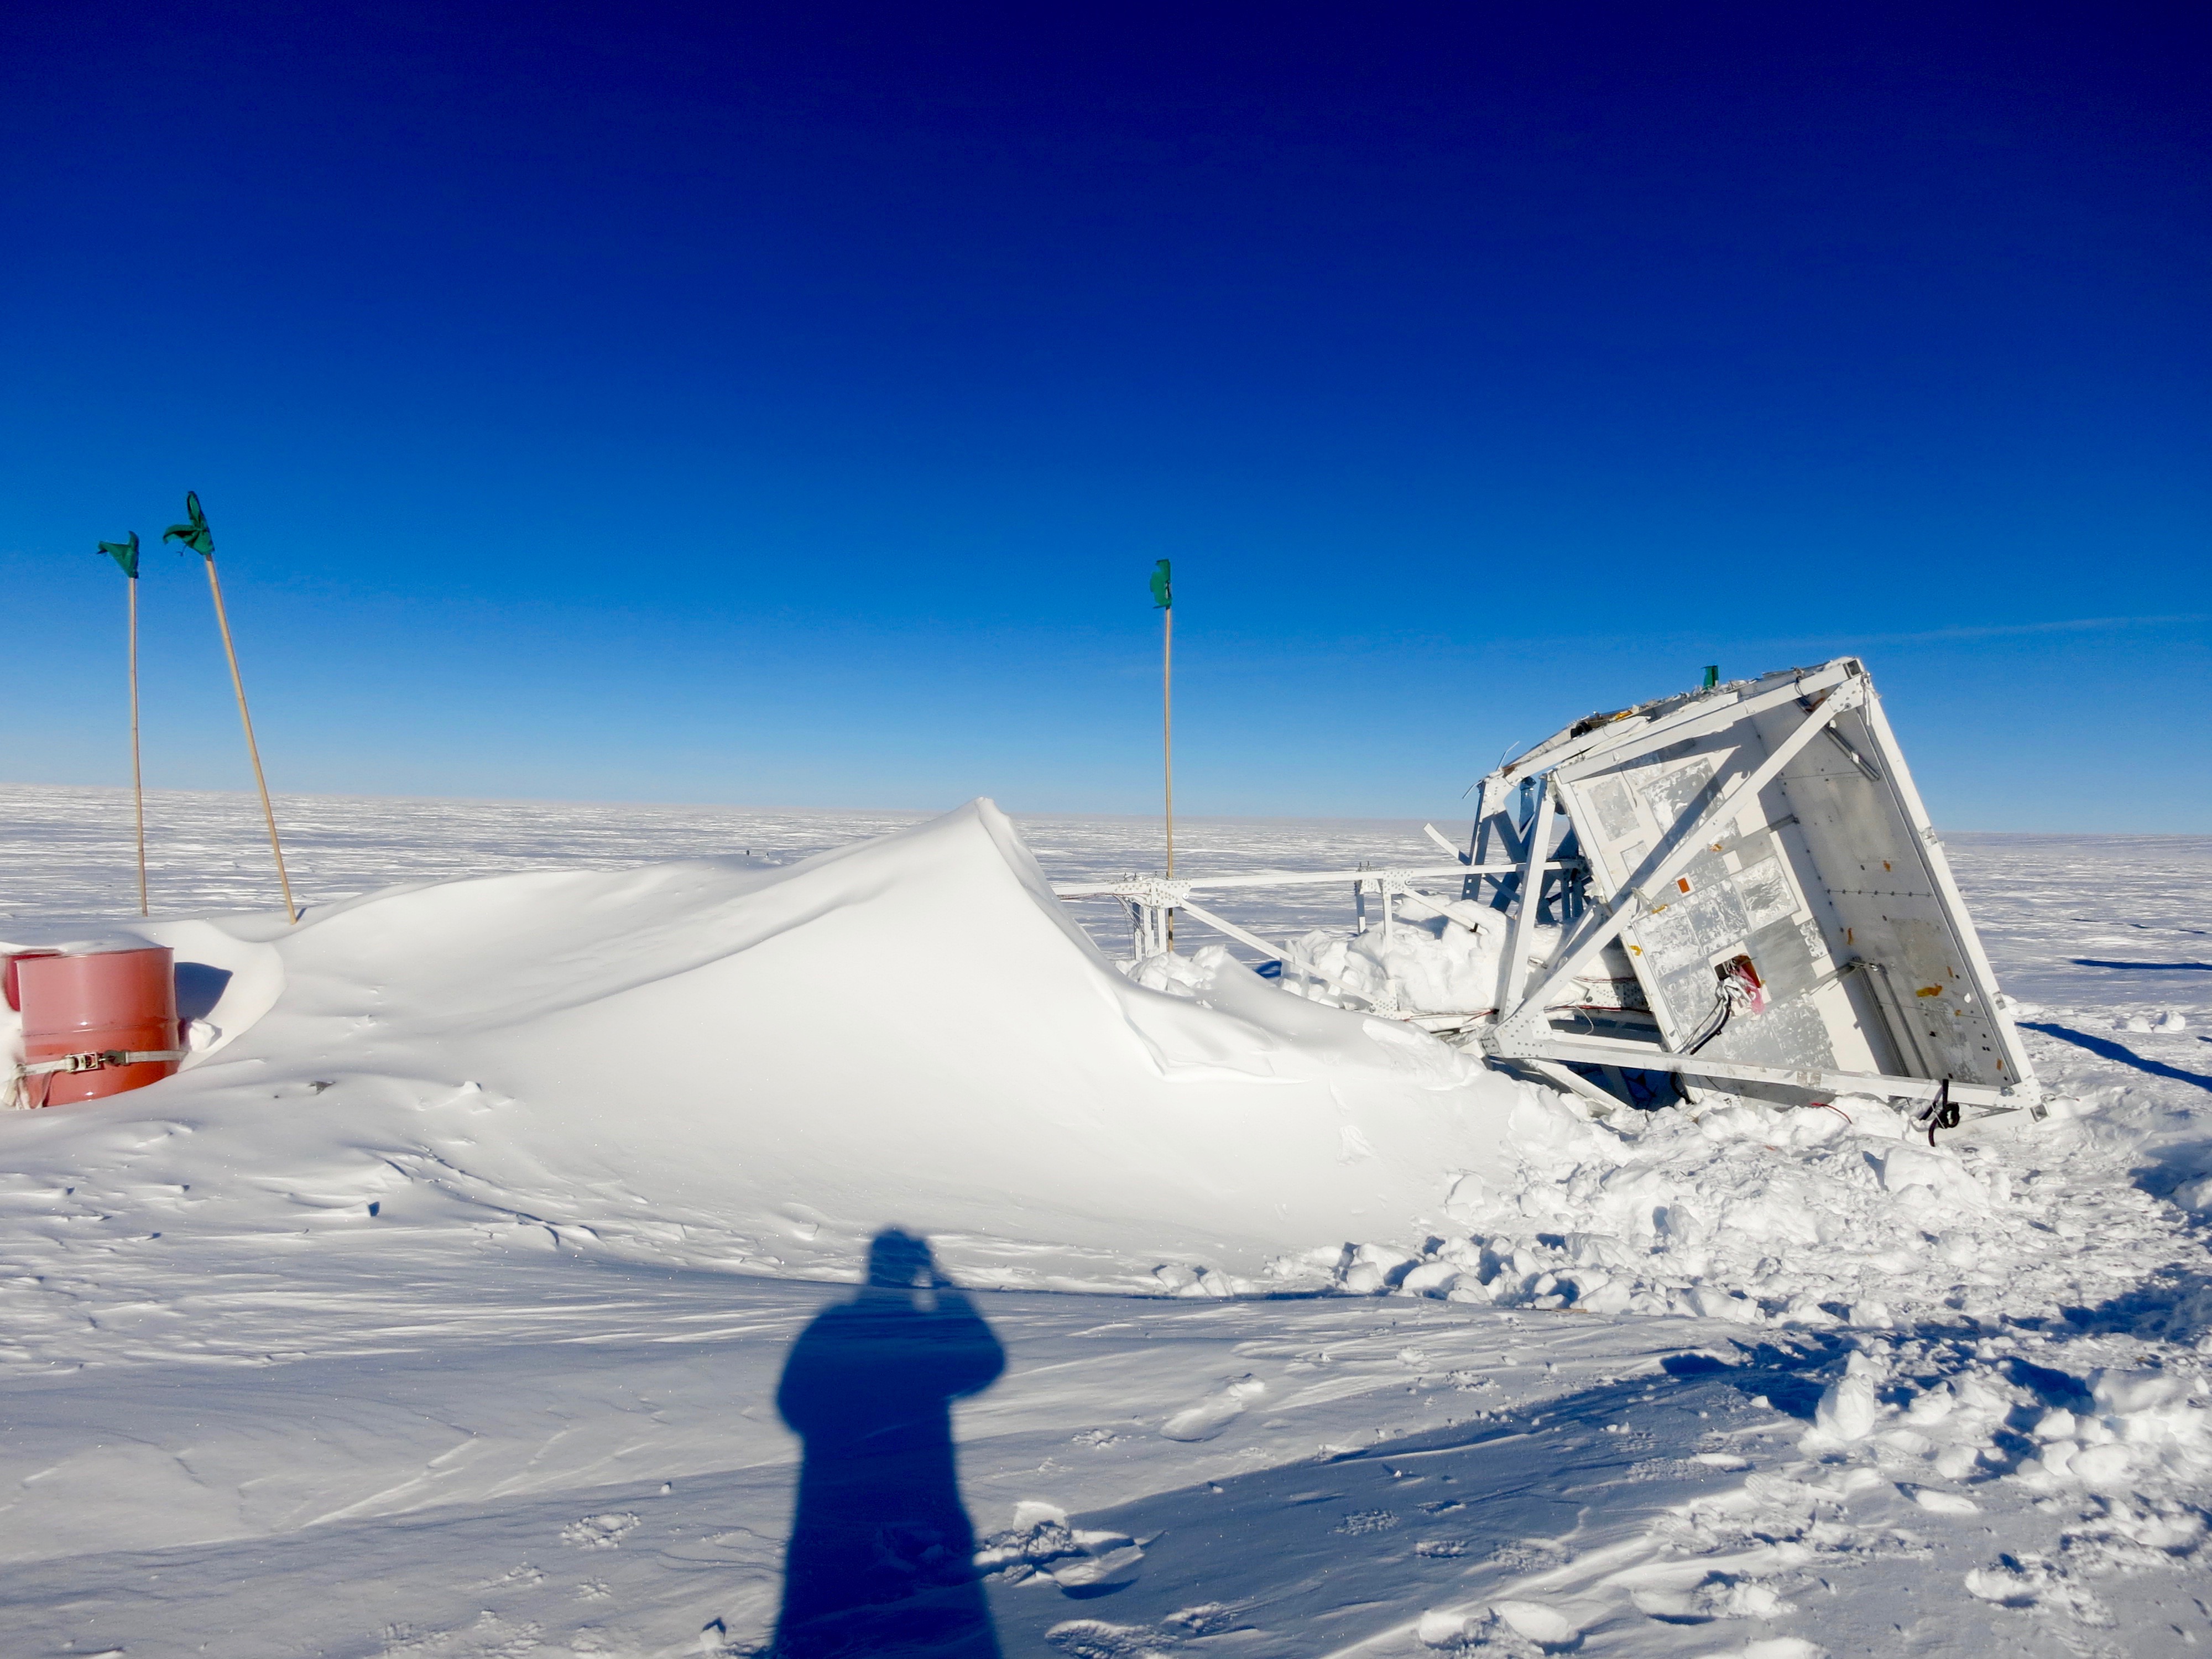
(1162, 591)
(195, 534)
(125, 553)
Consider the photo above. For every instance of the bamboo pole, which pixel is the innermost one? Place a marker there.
(1167, 725)
(252, 751)
(1167, 742)
(138, 778)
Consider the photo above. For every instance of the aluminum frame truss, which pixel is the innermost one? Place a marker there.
(1759, 854)
(1753, 856)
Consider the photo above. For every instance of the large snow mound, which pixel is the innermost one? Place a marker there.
(712, 1064)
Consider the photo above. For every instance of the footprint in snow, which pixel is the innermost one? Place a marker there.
(600, 1532)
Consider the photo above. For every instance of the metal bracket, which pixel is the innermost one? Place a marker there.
(1157, 892)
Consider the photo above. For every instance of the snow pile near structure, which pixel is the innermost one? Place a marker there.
(1446, 965)
(1811, 1217)
(709, 1064)
(1443, 964)
(1807, 1217)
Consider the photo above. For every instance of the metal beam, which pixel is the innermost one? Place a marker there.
(1234, 932)
(1126, 886)
(1606, 1051)
(1692, 718)
(1532, 894)
(1687, 724)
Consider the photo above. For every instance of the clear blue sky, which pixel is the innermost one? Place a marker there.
(784, 405)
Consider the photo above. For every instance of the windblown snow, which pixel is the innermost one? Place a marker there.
(436, 1306)
(709, 1065)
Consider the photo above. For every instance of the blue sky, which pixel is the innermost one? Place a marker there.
(785, 404)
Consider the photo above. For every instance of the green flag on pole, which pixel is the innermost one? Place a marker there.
(125, 554)
(195, 534)
(1162, 591)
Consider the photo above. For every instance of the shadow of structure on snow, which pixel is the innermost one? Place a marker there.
(881, 1560)
(1320, 1554)
(2105, 1048)
(2147, 967)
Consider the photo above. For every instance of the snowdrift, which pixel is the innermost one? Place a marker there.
(711, 1064)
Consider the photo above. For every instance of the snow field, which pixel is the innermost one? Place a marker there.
(1730, 1381)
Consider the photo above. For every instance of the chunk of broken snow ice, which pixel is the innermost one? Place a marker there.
(1941, 1503)
(1375, 1268)
(1442, 1629)
(2128, 1394)
(1431, 1278)
(2031, 1580)
(1956, 1462)
(1847, 1411)
(1533, 1620)
(1094, 1639)
(2102, 1467)
(1107, 1558)
(1906, 1165)
(1709, 1303)
(1717, 1598)
(1932, 1405)
(1875, 1118)
(1206, 1419)
(2170, 1020)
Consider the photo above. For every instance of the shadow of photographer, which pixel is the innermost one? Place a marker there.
(881, 1560)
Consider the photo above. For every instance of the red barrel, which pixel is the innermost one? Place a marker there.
(107, 1000)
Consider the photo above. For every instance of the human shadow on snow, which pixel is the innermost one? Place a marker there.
(881, 1560)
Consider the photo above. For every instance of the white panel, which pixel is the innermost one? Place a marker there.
(1829, 884)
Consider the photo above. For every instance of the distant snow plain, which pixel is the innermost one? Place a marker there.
(1868, 1398)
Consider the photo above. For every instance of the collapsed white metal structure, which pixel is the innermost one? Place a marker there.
(1738, 886)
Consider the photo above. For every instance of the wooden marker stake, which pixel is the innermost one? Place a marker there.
(126, 554)
(1163, 599)
(253, 750)
(138, 778)
(1166, 726)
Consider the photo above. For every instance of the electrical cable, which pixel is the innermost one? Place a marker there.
(1732, 995)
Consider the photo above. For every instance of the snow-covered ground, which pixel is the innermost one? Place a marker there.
(439, 1307)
